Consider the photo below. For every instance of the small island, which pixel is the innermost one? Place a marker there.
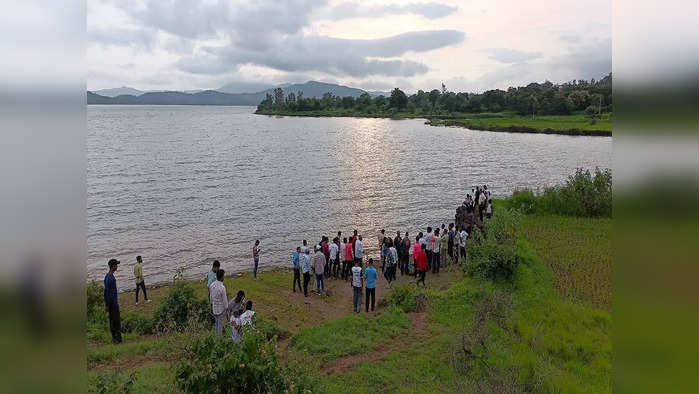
(578, 107)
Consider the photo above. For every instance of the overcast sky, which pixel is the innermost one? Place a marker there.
(469, 45)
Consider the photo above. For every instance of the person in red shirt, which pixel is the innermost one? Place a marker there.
(421, 259)
(354, 240)
(325, 248)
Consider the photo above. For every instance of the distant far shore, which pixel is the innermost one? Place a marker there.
(575, 125)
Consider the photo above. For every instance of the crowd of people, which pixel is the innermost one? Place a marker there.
(340, 259)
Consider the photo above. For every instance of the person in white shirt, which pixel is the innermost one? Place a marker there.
(219, 301)
(489, 209)
(429, 243)
(359, 251)
(357, 285)
(463, 237)
(456, 242)
(334, 258)
(437, 240)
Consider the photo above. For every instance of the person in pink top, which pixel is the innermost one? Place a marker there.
(417, 248)
(349, 259)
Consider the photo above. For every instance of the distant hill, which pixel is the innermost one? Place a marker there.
(214, 97)
(113, 92)
(244, 87)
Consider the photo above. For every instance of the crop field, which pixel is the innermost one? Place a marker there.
(578, 251)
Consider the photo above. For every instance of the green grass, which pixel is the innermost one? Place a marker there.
(578, 251)
(153, 378)
(555, 122)
(349, 335)
(544, 344)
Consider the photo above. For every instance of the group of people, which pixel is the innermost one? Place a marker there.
(340, 259)
(479, 201)
(237, 311)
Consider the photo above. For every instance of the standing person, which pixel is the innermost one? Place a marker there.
(450, 246)
(219, 301)
(383, 248)
(489, 209)
(296, 259)
(325, 248)
(421, 262)
(343, 257)
(444, 243)
(354, 240)
(390, 263)
(304, 248)
(419, 242)
(319, 268)
(140, 283)
(349, 259)
(406, 253)
(256, 257)
(359, 251)
(357, 284)
(334, 258)
(392, 250)
(382, 243)
(398, 244)
(306, 270)
(463, 238)
(437, 244)
(111, 301)
(211, 276)
(370, 275)
(457, 244)
(429, 244)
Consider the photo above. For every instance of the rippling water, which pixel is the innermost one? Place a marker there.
(183, 185)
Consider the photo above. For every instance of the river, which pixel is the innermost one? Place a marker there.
(183, 185)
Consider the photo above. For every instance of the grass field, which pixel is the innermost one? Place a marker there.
(578, 251)
(501, 121)
(549, 330)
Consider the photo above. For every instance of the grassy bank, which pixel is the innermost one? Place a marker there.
(544, 330)
(576, 124)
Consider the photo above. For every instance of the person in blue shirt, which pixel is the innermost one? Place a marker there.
(370, 274)
(297, 268)
(111, 301)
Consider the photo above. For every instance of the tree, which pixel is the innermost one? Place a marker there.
(279, 97)
(398, 99)
(433, 96)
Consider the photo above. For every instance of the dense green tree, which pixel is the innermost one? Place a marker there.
(398, 99)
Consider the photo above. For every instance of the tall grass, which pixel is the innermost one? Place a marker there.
(584, 194)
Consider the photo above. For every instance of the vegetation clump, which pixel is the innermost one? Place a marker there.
(493, 253)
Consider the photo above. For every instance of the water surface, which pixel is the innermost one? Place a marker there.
(183, 185)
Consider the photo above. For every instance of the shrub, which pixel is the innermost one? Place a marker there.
(135, 322)
(584, 194)
(494, 256)
(96, 312)
(219, 365)
(181, 309)
(407, 298)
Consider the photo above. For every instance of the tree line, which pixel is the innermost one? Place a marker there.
(534, 99)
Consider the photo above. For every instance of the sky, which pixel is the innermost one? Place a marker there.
(471, 45)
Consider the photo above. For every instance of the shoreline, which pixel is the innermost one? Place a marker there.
(446, 121)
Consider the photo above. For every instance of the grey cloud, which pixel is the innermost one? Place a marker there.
(351, 10)
(507, 55)
(330, 55)
(121, 36)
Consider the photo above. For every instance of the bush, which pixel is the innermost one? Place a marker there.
(585, 194)
(494, 256)
(96, 312)
(219, 365)
(407, 298)
(181, 309)
(135, 322)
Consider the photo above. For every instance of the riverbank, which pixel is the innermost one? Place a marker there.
(576, 124)
(544, 331)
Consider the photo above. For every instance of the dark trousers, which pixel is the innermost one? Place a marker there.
(387, 274)
(463, 251)
(141, 286)
(114, 323)
(357, 298)
(435, 262)
(450, 251)
(421, 277)
(345, 269)
(358, 260)
(297, 279)
(332, 270)
(306, 279)
(370, 293)
(429, 259)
